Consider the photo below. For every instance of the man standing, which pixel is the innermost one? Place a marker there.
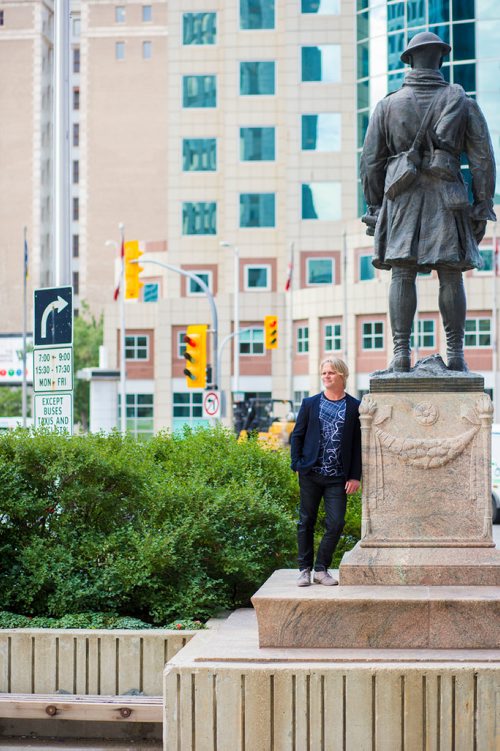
(326, 453)
(418, 207)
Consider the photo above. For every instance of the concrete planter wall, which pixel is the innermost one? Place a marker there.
(78, 661)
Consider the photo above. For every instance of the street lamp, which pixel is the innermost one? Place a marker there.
(236, 298)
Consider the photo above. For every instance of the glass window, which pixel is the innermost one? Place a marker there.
(75, 214)
(394, 81)
(443, 31)
(257, 144)
(199, 91)
(76, 99)
(252, 342)
(415, 13)
(199, 154)
(321, 132)
(256, 14)
(426, 333)
(257, 210)
(137, 347)
(321, 201)
(363, 49)
(477, 332)
(321, 7)
(333, 337)
(439, 11)
(257, 78)
(151, 292)
(488, 34)
(320, 271)
(181, 344)
(193, 288)
(373, 335)
(362, 26)
(366, 268)
(321, 63)
(76, 282)
(139, 415)
(464, 41)
(487, 258)
(76, 245)
(187, 409)
(199, 28)
(147, 13)
(76, 134)
(463, 10)
(199, 218)
(302, 340)
(257, 277)
(395, 17)
(465, 75)
(363, 119)
(147, 50)
(77, 26)
(395, 46)
(76, 60)
(120, 14)
(487, 9)
(119, 50)
(298, 396)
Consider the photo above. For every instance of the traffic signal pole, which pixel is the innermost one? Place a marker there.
(213, 309)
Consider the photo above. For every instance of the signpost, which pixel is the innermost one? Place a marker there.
(53, 358)
(211, 404)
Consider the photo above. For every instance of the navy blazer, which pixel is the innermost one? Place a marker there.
(306, 436)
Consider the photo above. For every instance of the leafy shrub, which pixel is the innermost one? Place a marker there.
(181, 525)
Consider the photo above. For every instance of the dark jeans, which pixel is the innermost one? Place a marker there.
(314, 487)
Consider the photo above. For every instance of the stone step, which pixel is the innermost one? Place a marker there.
(380, 617)
(444, 566)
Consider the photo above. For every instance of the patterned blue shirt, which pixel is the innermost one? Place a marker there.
(331, 421)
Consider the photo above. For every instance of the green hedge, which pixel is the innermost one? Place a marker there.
(179, 527)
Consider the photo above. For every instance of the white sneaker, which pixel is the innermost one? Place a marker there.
(324, 577)
(304, 579)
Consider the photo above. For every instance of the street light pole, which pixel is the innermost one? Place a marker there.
(236, 315)
(121, 287)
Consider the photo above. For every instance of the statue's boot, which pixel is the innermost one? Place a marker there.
(452, 305)
(402, 307)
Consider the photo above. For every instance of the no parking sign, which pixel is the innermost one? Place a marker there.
(211, 404)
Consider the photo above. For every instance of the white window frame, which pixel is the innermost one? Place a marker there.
(134, 422)
(477, 333)
(147, 49)
(147, 9)
(332, 336)
(136, 347)
(422, 333)
(319, 258)
(181, 344)
(372, 336)
(250, 333)
(249, 266)
(302, 340)
(201, 273)
(120, 14)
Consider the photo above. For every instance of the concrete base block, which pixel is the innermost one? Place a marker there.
(420, 566)
(224, 693)
(379, 617)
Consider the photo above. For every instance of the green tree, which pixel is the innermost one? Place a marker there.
(10, 401)
(87, 338)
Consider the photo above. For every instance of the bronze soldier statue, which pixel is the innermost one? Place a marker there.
(418, 205)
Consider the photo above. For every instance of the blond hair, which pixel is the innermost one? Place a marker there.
(338, 365)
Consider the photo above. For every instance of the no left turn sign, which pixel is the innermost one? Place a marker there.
(211, 404)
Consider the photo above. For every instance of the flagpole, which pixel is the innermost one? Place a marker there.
(25, 319)
(290, 323)
(123, 391)
(494, 313)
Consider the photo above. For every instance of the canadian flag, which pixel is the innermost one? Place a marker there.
(116, 294)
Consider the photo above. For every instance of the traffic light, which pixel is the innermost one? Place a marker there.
(132, 270)
(196, 356)
(271, 332)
